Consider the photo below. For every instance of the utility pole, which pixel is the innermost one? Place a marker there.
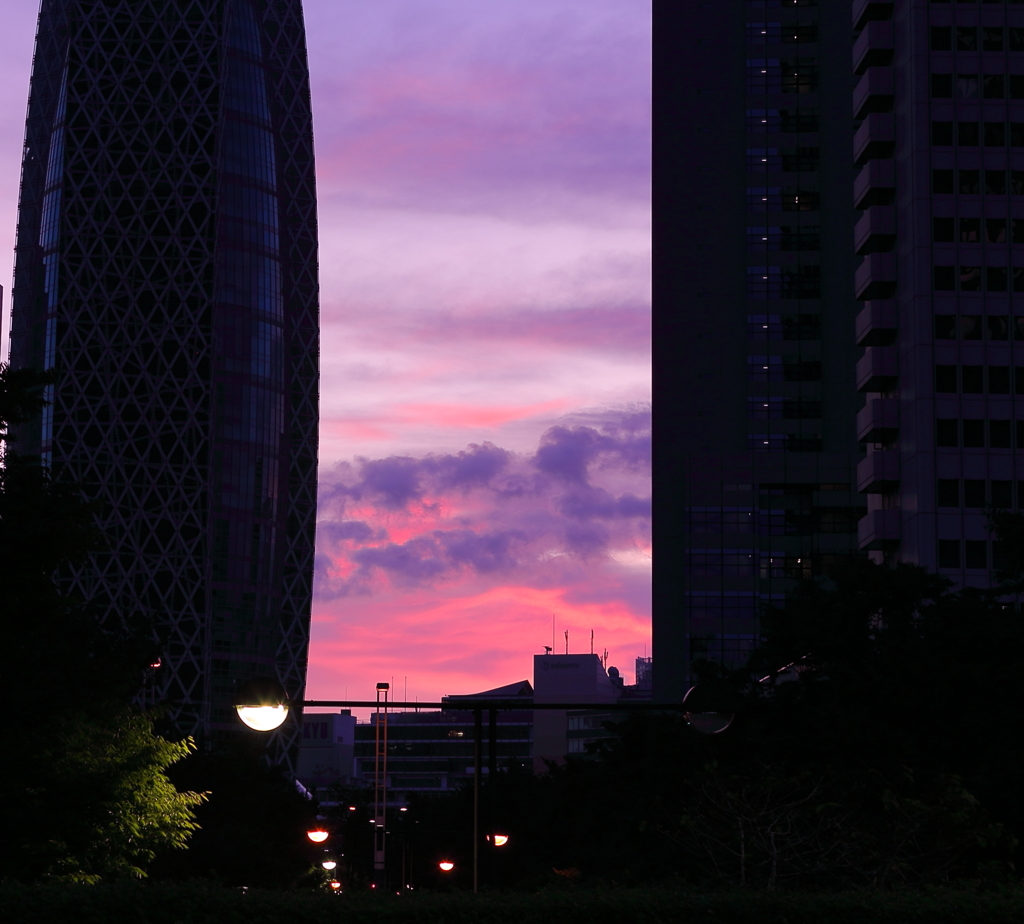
(380, 785)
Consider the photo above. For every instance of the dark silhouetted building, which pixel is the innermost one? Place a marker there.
(837, 297)
(167, 269)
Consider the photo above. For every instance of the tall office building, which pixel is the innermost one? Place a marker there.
(756, 449)
(166, 268)
(940, 90)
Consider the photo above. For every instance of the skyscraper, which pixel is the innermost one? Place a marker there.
(166, 267)
(940, 96)
(756, 449)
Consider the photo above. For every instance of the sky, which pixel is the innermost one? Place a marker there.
(484, 215)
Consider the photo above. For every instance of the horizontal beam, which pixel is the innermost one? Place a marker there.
(472, 705)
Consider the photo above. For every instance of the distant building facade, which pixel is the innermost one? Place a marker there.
(166, 268)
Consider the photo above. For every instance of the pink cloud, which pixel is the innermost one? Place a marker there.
(451, 565)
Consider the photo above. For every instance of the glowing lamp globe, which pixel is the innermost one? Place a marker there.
(317, 835)
(335, 884)
(446, 866)
(711, 707)
(329, 864)
(261, 703)
(500, 840)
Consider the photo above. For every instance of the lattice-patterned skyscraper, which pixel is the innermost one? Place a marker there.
(167, 268)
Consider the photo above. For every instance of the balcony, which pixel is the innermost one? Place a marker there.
(875, 184)
(876, 137)
(876, 369)
(878, 421)
(874, 47)
(875, 277)
(865, 11)
(874, 92)
(879, 472)
(879, 530)
(876, 323)
(876, 230)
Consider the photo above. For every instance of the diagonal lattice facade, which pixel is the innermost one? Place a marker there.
(166, 267)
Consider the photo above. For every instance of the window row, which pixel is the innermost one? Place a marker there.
(972, 134)
(969, 278)
(781, 408)
(972, 380)
(785, 33)
(782, 120)
(781, 198)
(784, 326)
(785, 160)
(971, 326)
(973, 182)
(770, 282)
(951, 433)
(790, 4)
(977, 86)
(976, 230)
(774, 75)
(782, 369)
(762, 238)
(978, 493)
(971, 38)
(784, 442)
(971, 554)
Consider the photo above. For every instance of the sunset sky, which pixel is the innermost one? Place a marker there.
(483, 173)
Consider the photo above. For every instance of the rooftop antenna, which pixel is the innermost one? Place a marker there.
(591, 641)
(604, 659)
(566, 641)
(552, 631)
(547, 649)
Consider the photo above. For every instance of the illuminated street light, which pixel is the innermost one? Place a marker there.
(329, 864)
(317, 834)
(446, 866)
(500, 840)
(335, 884)
(261, 703)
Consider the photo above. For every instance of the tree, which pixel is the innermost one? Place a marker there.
(83, 794)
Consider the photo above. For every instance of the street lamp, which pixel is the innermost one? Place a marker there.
(262, 703)
(500, 840)
(710, 707)
(446, 866)
(317, 834)
(329, 864)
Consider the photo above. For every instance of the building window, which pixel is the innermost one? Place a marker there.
(967, 134)
(941, 38)
(945, 278)
(942, 86)
(993, 86)
(945, 379)
(949, 553)
(998, 380)
(966, 86)
(995, 278)
(942, 134)
(969, 182)
(995, 182)
(942, 181)
(995, 232)
(970, 327)
(991, 38)
(971, 378)
(995, 134)
(998, 327)
(1002, 495)
(942, 230)
(970, 230)
(947, 432)
(966, 38)
(976, 553)
(945, 327)
(948, 491)
(999, 434)
(766, 442)
(764, 408)
(970, 278)
(974, 492)
(974, 434)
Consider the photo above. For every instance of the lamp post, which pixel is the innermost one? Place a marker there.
(708, 708)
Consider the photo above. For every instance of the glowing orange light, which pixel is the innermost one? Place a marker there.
(329, 864)
(335, 884)
(500, 840)
(317, 835)
(446, 865)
